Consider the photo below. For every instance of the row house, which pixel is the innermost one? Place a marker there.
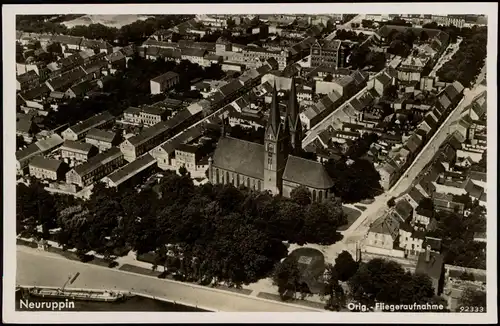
(147, 115)
(382, 81)
(26, 128)
(102, 139)
(165, 154)
(78, 151)
(46, 168)
(99, 46)
(413, 68)
(27, 80)
(79, 130)
(130, 172)
(95, 168)
(66, 80)
(164, 82)
(43, 146)
(157, 134)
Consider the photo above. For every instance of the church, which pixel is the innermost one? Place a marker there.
(273, 165)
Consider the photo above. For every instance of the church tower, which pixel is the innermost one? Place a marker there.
(294, 120)
(275, 149)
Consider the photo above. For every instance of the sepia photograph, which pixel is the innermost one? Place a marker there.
(325, 160)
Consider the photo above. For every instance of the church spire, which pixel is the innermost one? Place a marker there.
(293, 105)
(274, 115)
(294, 119)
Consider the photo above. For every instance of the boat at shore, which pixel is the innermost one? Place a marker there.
(81, 295)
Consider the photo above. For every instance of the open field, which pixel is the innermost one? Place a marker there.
(108, 20)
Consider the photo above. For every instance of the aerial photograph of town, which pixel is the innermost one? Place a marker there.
(251, 163)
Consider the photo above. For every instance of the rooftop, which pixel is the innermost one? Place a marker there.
(131, 169)
(45, 163)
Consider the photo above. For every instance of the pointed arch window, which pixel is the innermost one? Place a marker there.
(314, 195)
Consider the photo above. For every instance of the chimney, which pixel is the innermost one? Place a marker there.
(428, 253)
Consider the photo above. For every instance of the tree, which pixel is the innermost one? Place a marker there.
(345, 266)
(322, 220)
(386, 281)
(183, 171)
(472, 297)
(426, 203)
(334, 290)
(286, 276)
(301, 195)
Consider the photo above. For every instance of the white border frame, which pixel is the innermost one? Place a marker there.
(9, 140)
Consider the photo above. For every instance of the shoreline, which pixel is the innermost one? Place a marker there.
(130, 294)
(50, 272)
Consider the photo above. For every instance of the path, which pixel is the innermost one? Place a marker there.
(41, 268)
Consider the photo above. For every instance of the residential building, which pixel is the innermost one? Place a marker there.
(158, 133)
(102, 139)
(382, 236)
(432, 264)
(27, 80)
(164, 82)
(146, 115)
(327, 53)
(26, 128)
(95, 168)
(79, 130)
(410, 241)
(77, 151)
(130, 171)
(46, 169)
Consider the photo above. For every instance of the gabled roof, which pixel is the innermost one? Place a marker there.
(240, 156)
(98, 160)
(77, 146)
(307, 172)
(27, 76)
(404, 209)
(101, 135)
(126, 172)
(386, 224)
(164, 77)
(24, 125)
(92, 122)
(45, 163)
(50, 142)
(433, 268)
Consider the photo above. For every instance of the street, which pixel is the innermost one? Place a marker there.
(41, 268)
(358, 230)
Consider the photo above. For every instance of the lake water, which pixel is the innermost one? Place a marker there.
(136, 303)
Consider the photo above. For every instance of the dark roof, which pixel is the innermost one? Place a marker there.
(98, 160)
(193, 52)
(433, 268)
(45, 163)
(230, 88)
(472, 189)
(92, 122)
(27, 76)
(101, 135)
(95, 44)
(413, 143)
(35, 92)
(24, 125)
(166, 76)
(435, 243)
(424, 211)
(386, 224)
(240, 156)
(307, 172)
(131, 169)
(67, 79)
(77, 146)
(27, 152)
(66, 39)
(404, 209)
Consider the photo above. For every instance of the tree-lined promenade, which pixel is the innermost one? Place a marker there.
(207, 232)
